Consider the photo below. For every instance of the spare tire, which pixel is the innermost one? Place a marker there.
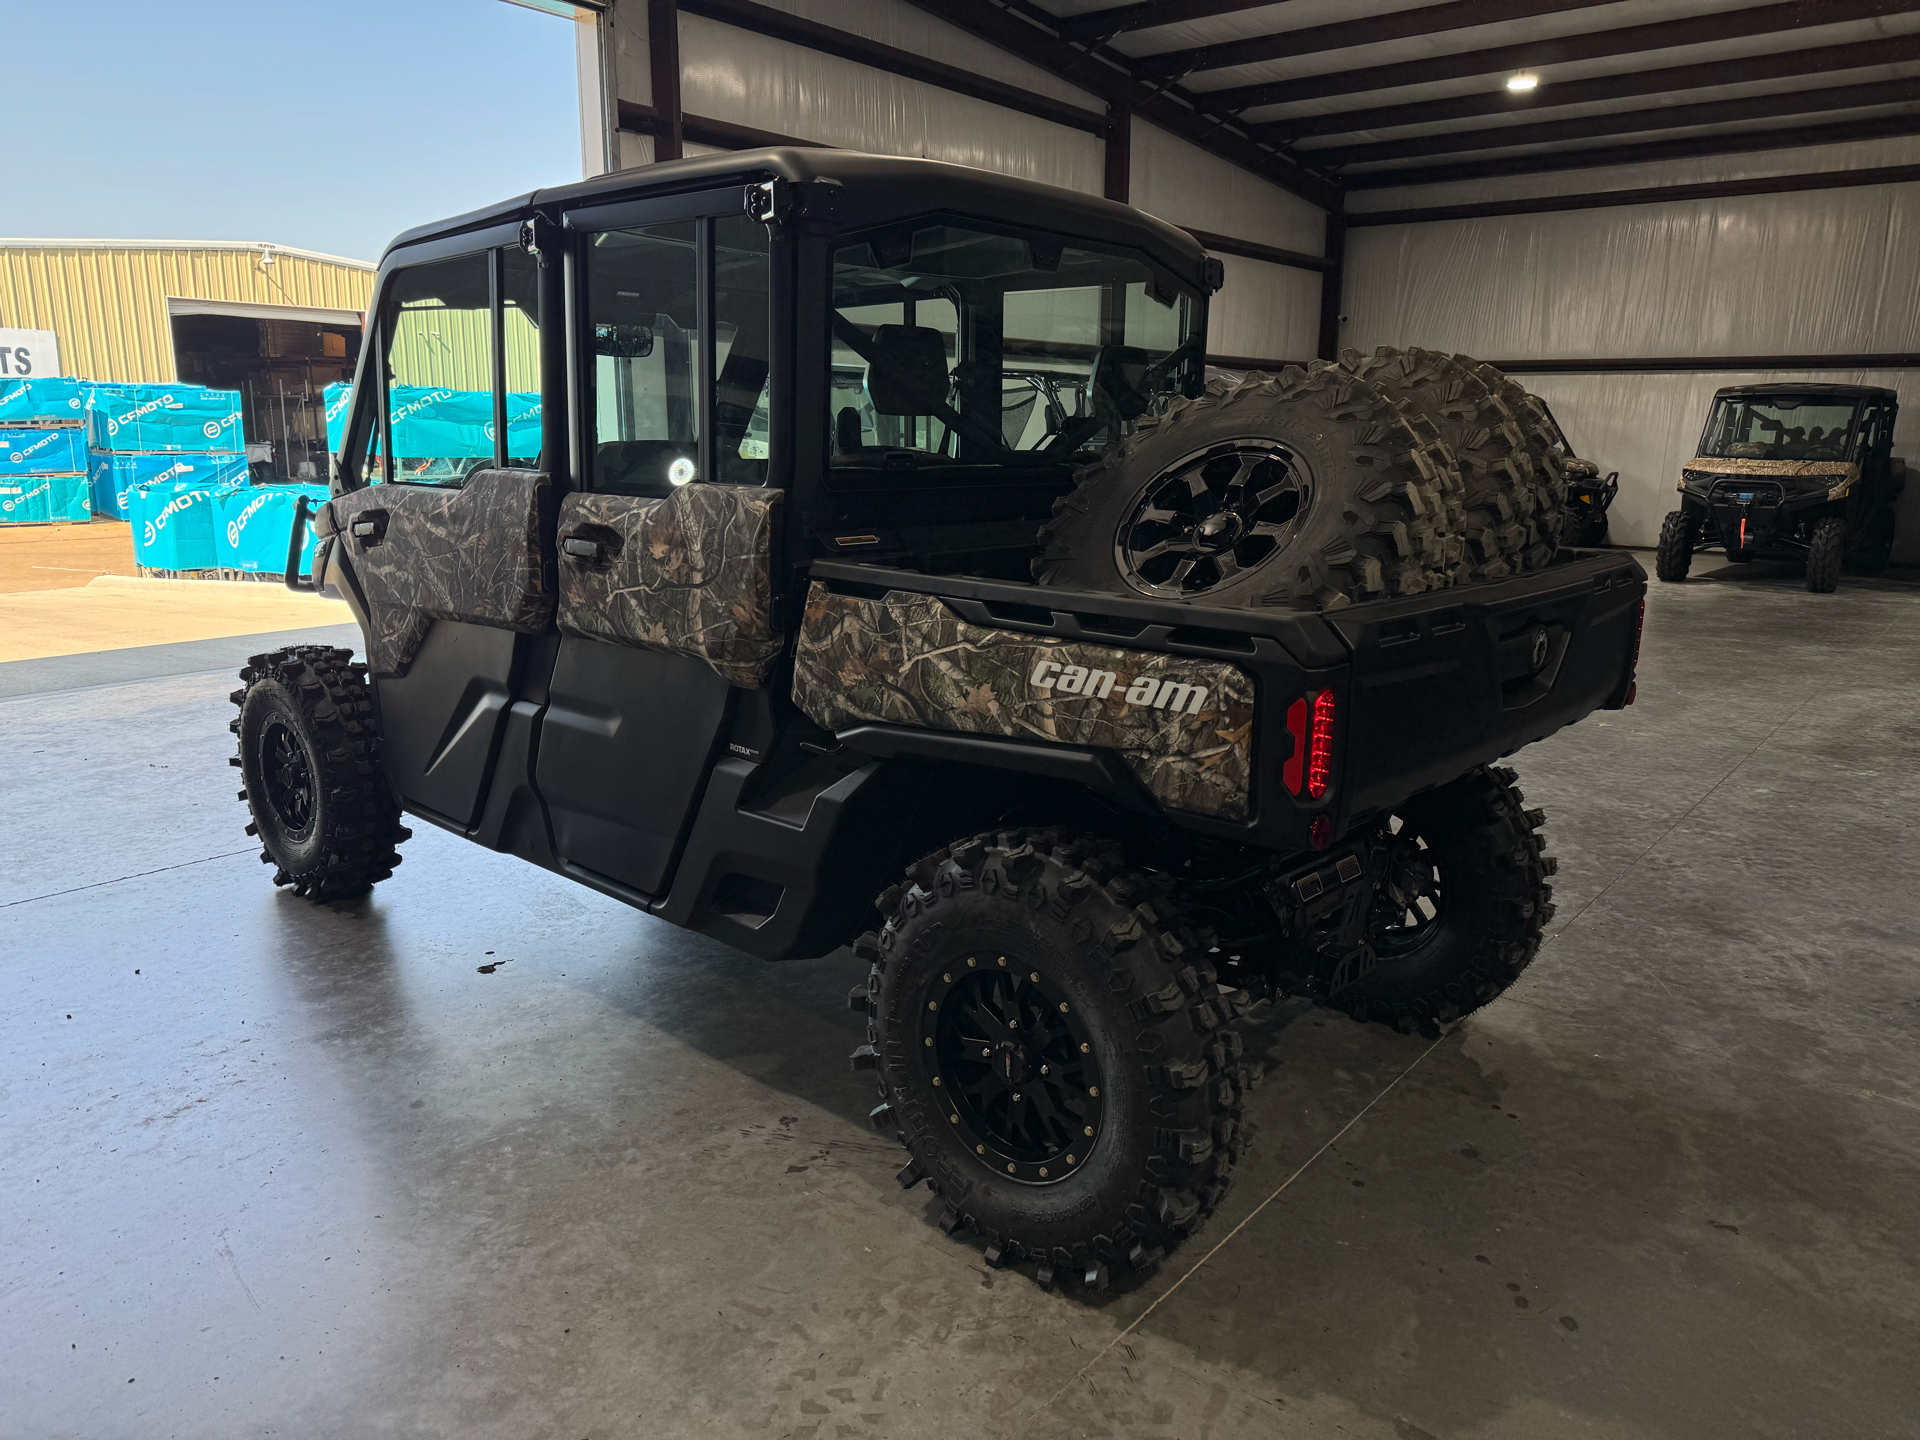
(1306, 488)
(1543, 503)
(1488, 444)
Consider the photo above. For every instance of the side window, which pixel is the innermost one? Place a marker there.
(643, 326)
(438, 326)
(741, 319)
(520, 333)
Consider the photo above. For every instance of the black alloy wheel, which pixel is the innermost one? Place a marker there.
(1016, 1064)
(286, 776)
(1408, 908)
(1211, 517)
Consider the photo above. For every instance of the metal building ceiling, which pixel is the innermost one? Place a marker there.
(1334, 95)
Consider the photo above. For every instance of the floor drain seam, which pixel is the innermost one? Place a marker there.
(137, 875)
(1240, 1226)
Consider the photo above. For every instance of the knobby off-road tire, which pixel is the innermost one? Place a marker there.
(1373, 521)
(1472, 850)
(309, 754)
(1674, 551)
(1487, 442)
(1141, 1105)
(1545, 504)
(1825, 546)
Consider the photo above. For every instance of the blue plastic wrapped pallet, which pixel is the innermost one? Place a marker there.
(69, 498)
(434, 424)
(185, 418)
(173, 526)
(114, 477)
(25, 500)
(253, 523)
(42, 452)
(49, 400)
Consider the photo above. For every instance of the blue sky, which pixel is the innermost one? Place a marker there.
(330, 126)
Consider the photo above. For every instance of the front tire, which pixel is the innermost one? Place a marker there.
(323, 813)
(1825, 547)
(1461, 912)
(1674, 551)
(1055, 1052)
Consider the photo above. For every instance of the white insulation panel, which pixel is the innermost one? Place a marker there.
(1184, 184)
(733, 74)
(1265, 311)
(1647, 426)
(1818, 272)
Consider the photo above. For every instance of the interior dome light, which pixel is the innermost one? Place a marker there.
(1523, 82)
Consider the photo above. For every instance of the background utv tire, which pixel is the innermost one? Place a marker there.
(1368, 514)
(1825, 546)
(1126, 1142)
(1675, 550)
(1484, 872)
(309, 753)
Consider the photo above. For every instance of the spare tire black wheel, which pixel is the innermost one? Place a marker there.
(1305, 488)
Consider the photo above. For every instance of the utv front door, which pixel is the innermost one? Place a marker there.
(450, 542)
(665, 543)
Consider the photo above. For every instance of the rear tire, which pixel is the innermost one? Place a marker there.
(1824, 554)
(1473, 851)
(309, 753)
(1674, 552)
(1126, 1142)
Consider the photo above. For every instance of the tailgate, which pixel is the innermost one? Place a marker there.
(1445, 682)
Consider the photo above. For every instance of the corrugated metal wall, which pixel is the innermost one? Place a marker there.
(108, 303)
(1824, 272)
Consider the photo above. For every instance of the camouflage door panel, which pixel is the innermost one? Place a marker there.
(1184, 726)
(691, 572)
(474, 554)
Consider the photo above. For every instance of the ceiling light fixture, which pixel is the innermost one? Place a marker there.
(1523, 82)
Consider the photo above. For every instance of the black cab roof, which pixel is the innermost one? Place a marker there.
(1838, 392)
(876, 188)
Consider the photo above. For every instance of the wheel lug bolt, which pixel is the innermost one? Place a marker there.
(1043, 1070)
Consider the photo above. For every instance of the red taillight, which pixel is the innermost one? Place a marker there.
(1296, 727)
(1320, 745)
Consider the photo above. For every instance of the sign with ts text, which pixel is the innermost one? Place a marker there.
(29, 352)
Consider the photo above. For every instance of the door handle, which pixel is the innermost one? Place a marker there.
(369, 528)
(582, 548)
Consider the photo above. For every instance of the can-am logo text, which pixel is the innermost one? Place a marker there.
(1157, 692)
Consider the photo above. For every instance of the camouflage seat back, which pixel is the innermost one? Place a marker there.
(691, 572)
(1184, 726)
(475, 554)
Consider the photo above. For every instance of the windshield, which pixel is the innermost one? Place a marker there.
(960, 344)
(1781, 427)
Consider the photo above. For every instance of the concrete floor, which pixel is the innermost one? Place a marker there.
(272, 1169)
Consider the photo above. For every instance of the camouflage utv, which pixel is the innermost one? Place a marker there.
(741, 630)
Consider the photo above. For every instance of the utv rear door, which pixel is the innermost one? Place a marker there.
(450, 541)
(665, 540)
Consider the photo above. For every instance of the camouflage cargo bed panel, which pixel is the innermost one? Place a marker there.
(1184, 726)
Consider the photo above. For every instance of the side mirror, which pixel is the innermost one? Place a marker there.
(624, 342)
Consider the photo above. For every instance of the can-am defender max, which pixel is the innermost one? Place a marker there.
(1790, 471)
(723, 608)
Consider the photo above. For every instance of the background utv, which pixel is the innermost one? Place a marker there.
(881, 570)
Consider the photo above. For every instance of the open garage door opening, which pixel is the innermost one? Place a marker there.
(280, 359)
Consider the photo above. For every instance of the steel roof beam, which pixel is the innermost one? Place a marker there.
(1629, 122)
(1345, 34)
(1530, 54)
(1822, 59)
(1106, 74)
(1681, 149)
